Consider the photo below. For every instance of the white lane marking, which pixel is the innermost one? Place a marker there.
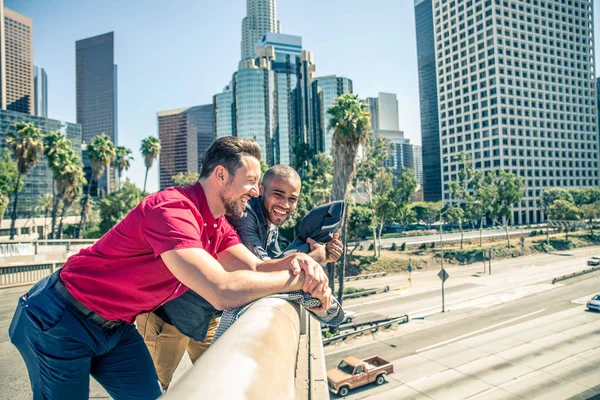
(479, 331)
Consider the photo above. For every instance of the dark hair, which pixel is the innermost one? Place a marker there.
(282, 171)
(228, 152)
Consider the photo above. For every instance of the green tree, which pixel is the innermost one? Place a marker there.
(115, 206)
(8, 177)
(427, 211)
(460, 193)
(590, 213)
(510, 189)
(185, 178)
(484, 195)
(350, 121)
(122, 161)
(56, 149)
(26, 144)
(3, 204)
(360, 222)
(562, 210)
(101, 152)
(370, 170)
(44, 206)
(150, 150)
(406, 216)
(582, 196)
(547, 198)
(263, 167)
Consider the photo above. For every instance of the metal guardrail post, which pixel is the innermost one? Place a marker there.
(255, 358)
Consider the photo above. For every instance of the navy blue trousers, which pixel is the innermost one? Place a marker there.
(61, 349)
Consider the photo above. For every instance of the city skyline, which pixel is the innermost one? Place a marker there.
(373, 44)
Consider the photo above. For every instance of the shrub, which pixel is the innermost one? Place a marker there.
(423, 246)
(433, 245)
(403, 247)
(394, 247)
(371, 247)
(533, 233)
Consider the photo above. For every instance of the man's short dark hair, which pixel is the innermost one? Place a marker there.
(228, 152)
(281, 171)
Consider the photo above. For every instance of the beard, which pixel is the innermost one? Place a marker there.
(232, 207)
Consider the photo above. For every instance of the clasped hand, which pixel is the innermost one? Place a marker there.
(315, 279)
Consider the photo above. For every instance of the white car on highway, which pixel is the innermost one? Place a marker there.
(594, 303)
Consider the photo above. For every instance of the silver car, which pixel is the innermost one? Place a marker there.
(594, 303)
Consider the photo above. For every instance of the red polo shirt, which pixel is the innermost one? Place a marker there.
(122, 275)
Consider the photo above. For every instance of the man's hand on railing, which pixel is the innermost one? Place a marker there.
(314, 276)
(324, 295)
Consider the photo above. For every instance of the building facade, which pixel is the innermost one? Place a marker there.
(224, 113)
(38, 181)
(428, 100)
(16, 73)
(96, 89)
(261, 17)
(185, 135)
(324, 92)
(517, 92)
(40, 92)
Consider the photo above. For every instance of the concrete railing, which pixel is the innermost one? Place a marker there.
(16, 275)
(273, 351)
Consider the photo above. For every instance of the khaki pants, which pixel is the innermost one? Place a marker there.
(167, 344)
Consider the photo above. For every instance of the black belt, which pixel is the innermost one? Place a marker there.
(105, 324)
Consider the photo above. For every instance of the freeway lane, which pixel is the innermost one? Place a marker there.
(541, 346)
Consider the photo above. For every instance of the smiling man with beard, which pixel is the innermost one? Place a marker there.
(79, 321)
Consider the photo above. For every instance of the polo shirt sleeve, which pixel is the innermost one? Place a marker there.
(247, 228)
(230, 238)
(172, 226)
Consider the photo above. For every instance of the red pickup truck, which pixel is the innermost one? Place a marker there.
(352, 373)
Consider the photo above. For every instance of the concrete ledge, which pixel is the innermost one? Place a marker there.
(574, 274)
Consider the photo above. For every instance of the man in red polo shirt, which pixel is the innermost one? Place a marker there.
(79, 322)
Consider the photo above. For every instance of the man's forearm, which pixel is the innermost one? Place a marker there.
(243, 287)
(318, 256)
(274, 264)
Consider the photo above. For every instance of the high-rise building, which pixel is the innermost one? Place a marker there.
(384, 112)
(255, 97)
(16, 59)
(294, 71)
(185, 135)
(324, 92)
(40, 92)
(261, 17)
(224, 113)
(96, 75)
(430, 134)
(517, 93)
(38, 181)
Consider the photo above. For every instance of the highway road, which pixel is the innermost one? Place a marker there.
(509, 335)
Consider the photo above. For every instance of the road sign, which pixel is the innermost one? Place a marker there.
(443, 275)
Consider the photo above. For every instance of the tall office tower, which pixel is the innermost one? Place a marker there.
(255, 98)
(40, 92)
(185, 134)
(517, 92)
(294, 71)
(261, 18)
(16, 57)
(96, 75)
(224, 113)
(430, 133)
(384, 112)
(324, 91)
(39, 180)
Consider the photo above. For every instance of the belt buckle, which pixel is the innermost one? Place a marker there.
(109, 325)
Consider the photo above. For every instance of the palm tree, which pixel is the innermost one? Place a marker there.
(26, 144)
(44, 204)
(56, 148)
(350, 121)
(3, 204)
(150, 150)
(101, 153)
(122, 160)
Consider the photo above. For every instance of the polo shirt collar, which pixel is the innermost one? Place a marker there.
(210, 223)
(256, 205)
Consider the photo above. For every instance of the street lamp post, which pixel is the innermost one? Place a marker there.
(443, 271)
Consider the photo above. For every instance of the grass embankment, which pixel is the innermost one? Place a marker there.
(363, 262)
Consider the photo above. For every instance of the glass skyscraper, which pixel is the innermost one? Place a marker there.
(430, 133)
(40, 92)
(96, 88)
(38, 180)
(224, 113)
(324, 91)
(185, 135)
(261, 18)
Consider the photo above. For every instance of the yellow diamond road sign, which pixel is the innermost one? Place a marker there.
(443, 275)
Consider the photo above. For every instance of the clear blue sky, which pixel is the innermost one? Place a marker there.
(179, 53)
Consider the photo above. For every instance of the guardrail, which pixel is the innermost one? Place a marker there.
(574, 274)
(35, 247)
(15, 275)
(363, 276)
(373, 327)
(272, 351)
(364, 293)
